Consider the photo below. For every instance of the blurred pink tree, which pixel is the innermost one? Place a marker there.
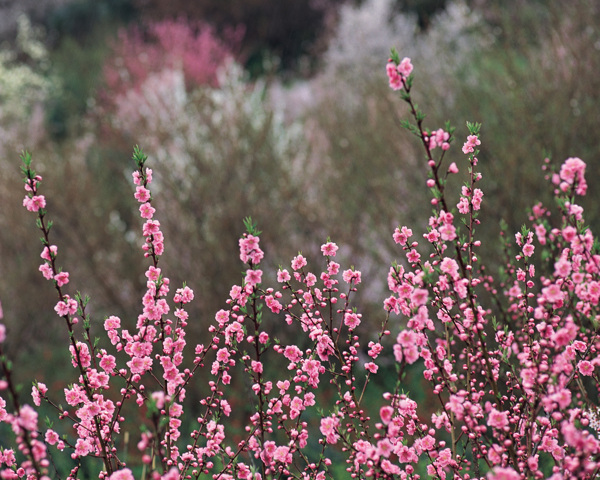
(191, 47)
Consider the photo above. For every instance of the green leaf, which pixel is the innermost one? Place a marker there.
(26, 159)
(474, 128)
(139, 156)
(251, 227)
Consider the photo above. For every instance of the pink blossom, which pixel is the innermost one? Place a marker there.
(38, 392)
(139, 365)
(48, 253)
(352, 320)
(448, 232)
(562, 398)
(333, 268)
(51, 437)
(124, 474)
(184, 295)
(283, 276)
(253, 277)
(401, 235)
(151, 227)
(406, 338)
(274, 305)
(500, 473)
(147, 210)
(419, 297)
(386, 412)
(112, 323)
(433, 236)
(80, 355)
(298, 262)
(292, 353)
(528, 249)
(27, 418)
(66, 307)
(406, 454)
(352, 276)
(61, 278)
(573, 171)
(375, 349)
(371, 367)
(257, 367)
(181, 44)
(46, 270)
(250, 251)
(329, 249)
(477, 197)
(552, 293)
(497, 419)
(472, 142)
(405, 67)
(108, 363)
(329, 427)
(282, 455)
(463, 205)
(223, 355)
(222, 317)
(83, 448)
(142, 194)
(137, 178)
(449, 266)
(585, 368)
(562, 268)
(395, 80)
(34, 203)
(445, 458)
(569, 233)
(424, 444)
(413, 256)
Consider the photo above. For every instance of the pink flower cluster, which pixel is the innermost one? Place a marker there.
(508, 366)
(398, 73)
(572, 175)
(438, 138)
(175, 44)
(154, 245)
(471, 143)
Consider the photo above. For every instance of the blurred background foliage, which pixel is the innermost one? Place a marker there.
(275, 110)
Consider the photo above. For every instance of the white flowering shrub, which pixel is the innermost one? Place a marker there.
(25, 84)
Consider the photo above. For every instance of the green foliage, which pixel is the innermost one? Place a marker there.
(78, 64)
(79, 19)
(251, 226)
(473, 128)
(139, 157)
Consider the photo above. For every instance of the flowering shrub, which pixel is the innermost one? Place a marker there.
(24, 87)
(169, 44)
(509, 363)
